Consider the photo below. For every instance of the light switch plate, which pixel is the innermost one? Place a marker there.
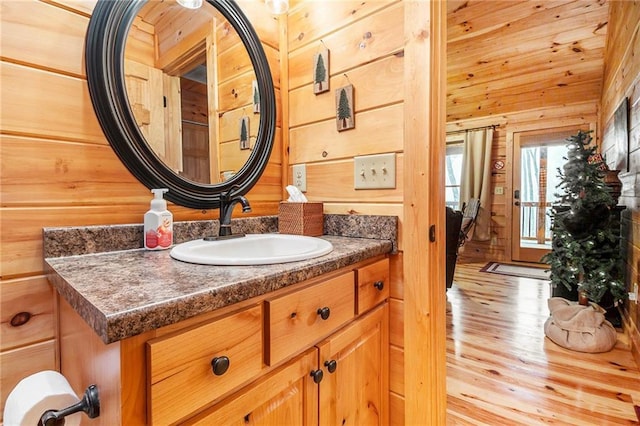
(374, 171)
(300, 177)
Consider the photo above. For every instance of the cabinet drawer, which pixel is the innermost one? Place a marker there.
(373, 285)
(295, 321)
(284, 397)
(181, 366)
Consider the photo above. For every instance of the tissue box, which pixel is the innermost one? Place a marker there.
(301, 219)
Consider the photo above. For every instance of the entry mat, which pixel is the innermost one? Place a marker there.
(516, 270)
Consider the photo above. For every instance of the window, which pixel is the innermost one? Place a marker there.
(453, 174)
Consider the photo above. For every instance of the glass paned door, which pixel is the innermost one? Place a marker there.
(537, 157)
(453, 175)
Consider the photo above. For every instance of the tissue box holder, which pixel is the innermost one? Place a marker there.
(301, 219)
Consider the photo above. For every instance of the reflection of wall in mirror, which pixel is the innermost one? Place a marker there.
(171, 43)
(236, 77)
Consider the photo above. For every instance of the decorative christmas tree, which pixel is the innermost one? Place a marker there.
(585, 257)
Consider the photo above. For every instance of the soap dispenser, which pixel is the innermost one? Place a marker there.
(158, 223)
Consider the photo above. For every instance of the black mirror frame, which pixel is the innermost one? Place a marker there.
(104, 59)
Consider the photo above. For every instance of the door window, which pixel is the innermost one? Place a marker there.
(453, 172)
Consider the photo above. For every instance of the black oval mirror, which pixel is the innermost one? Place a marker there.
(104, 54)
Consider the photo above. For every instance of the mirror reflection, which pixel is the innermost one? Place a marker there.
(191, 88)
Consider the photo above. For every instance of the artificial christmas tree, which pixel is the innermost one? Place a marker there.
(585, 258)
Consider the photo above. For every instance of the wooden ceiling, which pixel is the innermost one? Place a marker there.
(516, 55)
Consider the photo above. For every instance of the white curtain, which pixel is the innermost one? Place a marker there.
(476, 178)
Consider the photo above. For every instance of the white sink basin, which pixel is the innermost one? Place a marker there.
(252, 249)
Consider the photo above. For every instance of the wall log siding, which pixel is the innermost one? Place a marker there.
(365, 41)
(57, 168)
(622, 79)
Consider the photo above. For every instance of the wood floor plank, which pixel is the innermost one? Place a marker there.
(502, 370)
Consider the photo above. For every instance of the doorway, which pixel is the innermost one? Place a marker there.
(537, 156)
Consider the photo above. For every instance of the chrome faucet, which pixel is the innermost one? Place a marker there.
(227, 203)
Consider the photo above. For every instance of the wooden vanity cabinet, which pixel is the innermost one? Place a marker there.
(277, 346)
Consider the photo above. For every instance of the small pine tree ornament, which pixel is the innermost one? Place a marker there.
(585, 255)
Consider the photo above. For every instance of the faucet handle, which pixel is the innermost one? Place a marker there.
(227, 202)
(225, 196)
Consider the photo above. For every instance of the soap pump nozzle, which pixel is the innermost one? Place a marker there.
(159, 203)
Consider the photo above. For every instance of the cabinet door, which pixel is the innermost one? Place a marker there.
(357, 391)
(286, 396)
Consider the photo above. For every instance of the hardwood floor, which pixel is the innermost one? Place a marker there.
(501, 370)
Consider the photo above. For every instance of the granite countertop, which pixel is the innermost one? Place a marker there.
(127, 291)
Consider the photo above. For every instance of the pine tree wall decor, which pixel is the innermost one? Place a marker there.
(244, 133)
(345, 118)
(585, 258)
(255, 97)
(321, 72)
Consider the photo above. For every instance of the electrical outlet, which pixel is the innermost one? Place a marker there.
(300, 177)
(374, 171)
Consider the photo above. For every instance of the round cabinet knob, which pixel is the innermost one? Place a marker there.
(324, 312)
(220, 365)
(331, 365)
(379, 285)
(317, 376)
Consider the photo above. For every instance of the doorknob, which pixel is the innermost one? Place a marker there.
(517, 203)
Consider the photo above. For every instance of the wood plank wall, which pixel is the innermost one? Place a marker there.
(365, 40)
(57, 168)
(622, 79)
